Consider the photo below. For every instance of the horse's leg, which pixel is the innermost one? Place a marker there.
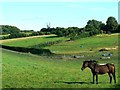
(110, 77)
(114, 77)
(93, 78)
(96, 78)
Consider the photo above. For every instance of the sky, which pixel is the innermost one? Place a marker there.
(34, 15)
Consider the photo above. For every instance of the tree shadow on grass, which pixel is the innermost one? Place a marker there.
(51, 36)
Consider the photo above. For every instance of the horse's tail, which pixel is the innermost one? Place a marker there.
(112, 67)
(114, 74)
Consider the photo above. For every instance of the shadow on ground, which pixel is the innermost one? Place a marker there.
(116, 85)
(74, 82)
(51, 36)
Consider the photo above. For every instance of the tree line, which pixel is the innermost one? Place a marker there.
(10, 32)
(93, 27)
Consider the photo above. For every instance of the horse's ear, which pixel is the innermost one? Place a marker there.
(94, 61)
(91, 60)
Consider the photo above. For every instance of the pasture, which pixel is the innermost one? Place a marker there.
(30, 41)
(25, 70)
(85, 44)
(29, 71)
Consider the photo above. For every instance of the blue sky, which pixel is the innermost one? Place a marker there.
(36, 15)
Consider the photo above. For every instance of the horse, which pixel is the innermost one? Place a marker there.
(100, 69)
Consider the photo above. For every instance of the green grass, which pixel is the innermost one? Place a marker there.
(32, 41)
(94, 43)
(22, 70)
(70, 47)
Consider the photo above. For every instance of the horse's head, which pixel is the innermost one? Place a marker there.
(87, 63)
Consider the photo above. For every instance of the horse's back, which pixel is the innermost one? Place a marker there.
(102, 69)
(105, 68)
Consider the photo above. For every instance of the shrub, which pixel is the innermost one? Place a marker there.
(27, 50)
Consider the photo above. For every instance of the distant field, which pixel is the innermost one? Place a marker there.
(29, 71)
(30, 41)
(69, 47)
(86, 44)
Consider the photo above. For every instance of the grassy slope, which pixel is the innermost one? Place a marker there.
(70, 47)
(94, 43)
(26, 70)
(31, 41)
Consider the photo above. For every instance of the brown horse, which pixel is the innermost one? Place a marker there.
(100, 69)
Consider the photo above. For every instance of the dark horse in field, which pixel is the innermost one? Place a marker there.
(100, 69)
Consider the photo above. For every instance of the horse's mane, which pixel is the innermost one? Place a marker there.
(94, 61)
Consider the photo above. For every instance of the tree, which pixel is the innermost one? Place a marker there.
(60, 31)
(118, 29)
(111, 24)
(94, 26)
(43, 30)
(7, 29)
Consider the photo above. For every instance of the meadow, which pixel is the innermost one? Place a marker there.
(26, 42)
(85, 44)
(25, 70)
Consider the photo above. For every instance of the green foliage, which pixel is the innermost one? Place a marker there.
(111, 24)
(82, 35)
(7, 29)
(17, 35)
(93, 24)
(28, 50)
(67, 32)
(45, 44)
(118, 29)
(14, 35)
(93, 27)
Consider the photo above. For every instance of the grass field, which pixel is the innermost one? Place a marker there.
(29, 71)
(94, 43)
(28, 41)
(25, 70)
(69, 47)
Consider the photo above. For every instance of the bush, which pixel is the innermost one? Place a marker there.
(7, 29)
(46, 44)
(17, 35)
(82, 35)
(27, 50)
